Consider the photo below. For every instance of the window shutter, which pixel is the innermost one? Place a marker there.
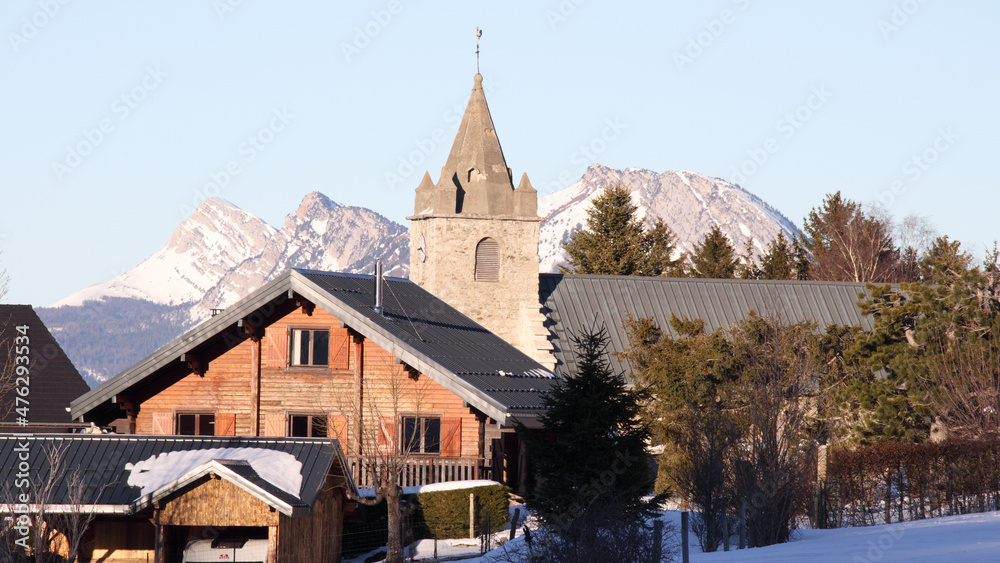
(274, 424)
(163, 423)
(277, 348)
(340, 349)
(225, 424)
(386, 435)
(451, 437)
(338, 429)
(488, 260)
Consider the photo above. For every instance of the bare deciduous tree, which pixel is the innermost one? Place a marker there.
(383, 450)
(963, 382)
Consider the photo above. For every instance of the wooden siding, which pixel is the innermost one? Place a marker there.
(119, 541)
(317, 539)
(227, 389)
(216, 502)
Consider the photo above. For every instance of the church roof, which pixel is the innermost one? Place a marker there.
(573, 303)
(475, 180)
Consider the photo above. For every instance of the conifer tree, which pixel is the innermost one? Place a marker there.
(661, 244)
(616, 243)
(714, 256)
(802, 261)
(748, 268)
(779, 260)
(591, 458)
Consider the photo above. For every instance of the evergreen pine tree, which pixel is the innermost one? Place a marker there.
(802, 261)
(612, 243)
(616, 243)
(714, 256)
(661, 243)
(591, 458)
(944, 261)
(779, 260)
(748, 268)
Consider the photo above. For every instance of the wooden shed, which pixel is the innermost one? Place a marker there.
(153, 498)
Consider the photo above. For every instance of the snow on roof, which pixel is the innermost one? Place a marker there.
(449, 486)
(278, 468)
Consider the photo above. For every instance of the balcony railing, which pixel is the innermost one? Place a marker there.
(426, 470)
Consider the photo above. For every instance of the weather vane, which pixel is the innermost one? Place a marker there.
(479, 33)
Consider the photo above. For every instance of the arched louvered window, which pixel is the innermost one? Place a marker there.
(488, 260)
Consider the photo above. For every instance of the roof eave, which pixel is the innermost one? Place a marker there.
(214, 467)
(171, 352)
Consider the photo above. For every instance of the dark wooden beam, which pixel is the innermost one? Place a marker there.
(255, 365)
(194, 363)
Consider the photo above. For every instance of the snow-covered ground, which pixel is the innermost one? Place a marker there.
(970, 538)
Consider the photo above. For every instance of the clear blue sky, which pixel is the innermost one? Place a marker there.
(837, 95)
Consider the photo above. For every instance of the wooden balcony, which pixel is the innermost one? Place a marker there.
(426, 470)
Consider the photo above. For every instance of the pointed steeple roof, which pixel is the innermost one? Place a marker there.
(476, 165)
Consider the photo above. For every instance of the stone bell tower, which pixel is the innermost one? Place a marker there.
(474, 237)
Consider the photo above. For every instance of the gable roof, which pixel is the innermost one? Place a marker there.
(53, 380)
(573, 303)
(419, 329)
(104, 461)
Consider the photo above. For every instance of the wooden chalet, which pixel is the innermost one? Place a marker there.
(151, 498)
(312, 354)
(40, 401)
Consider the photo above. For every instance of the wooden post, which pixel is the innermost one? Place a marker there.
(472, 515)
(685, 555)
(160, 555)
(272, 544)
(359, 392)
(725, 531)
(657, 553)
(743, 524)
(255, 385)
(513, 522)
(481, 418)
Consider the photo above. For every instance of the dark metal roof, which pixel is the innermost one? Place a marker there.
(102, 459)
(574, 303)
(53, 381)
(415, 326)
(445, 341)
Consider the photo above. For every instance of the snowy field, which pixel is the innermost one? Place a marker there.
(970, 538)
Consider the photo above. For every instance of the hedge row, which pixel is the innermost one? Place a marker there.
(892, 481)
(445, 514)
(439, 514)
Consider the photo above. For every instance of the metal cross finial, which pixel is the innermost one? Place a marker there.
(479, 33)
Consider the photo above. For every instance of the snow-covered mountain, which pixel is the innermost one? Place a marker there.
(690, 203)
(222, 253)
(215, 257)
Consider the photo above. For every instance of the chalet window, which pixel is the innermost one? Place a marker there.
(310, 347)
(421, 435)
(196, 424)
(308, 426)
(488, 260)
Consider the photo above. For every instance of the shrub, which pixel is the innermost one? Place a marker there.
(445, 514)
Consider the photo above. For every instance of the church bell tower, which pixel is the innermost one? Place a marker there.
(474, 236)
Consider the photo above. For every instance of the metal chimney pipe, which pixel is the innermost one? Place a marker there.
(378, 287)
